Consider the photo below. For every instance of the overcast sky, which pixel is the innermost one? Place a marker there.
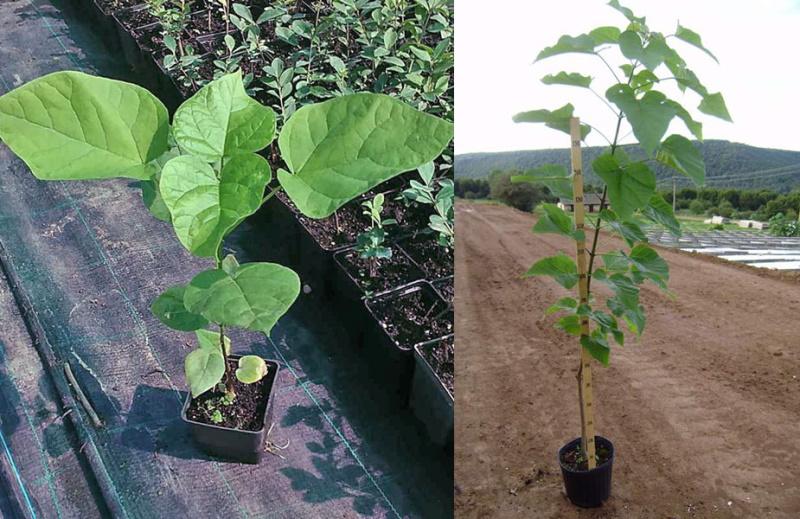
(756, 42)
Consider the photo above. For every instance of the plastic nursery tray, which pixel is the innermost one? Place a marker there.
(235, 444)
(431, 401)
(392, 361)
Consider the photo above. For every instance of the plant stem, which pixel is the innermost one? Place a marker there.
(228, 375)
(614, 146)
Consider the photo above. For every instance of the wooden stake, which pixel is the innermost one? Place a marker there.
(585, 370)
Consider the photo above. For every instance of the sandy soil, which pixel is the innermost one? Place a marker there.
(704, 410)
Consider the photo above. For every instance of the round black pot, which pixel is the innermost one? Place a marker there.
(589, 488)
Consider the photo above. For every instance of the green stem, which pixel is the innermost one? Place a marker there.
(228, 374)
(614, 145)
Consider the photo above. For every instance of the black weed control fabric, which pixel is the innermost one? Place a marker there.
(81, 263)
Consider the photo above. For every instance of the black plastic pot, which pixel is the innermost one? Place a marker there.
(431, 401)
(234, 444)
(589, 488)
(392, 362)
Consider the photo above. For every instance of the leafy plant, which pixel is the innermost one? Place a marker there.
(202, 174)
(370, 244)
(442, 222)
(780, 225)
(628, 183)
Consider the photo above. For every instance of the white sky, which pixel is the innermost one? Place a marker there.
(756, 42)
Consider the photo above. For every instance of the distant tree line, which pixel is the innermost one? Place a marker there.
(756, 204)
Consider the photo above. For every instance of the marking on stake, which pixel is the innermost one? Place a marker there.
(585, 382)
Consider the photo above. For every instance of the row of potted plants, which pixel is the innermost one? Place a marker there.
(397, 290)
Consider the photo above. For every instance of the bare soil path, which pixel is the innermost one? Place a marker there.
(704, 410)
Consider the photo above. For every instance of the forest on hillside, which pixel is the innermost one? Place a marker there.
(728, 164)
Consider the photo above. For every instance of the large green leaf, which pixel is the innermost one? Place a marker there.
(557, 119)
(660, 212)
(597, 346)
(695, 127)
(568, 78)
(692, 38)
(561, 268)
(626, 12)
(679, 153)
(714, 104)
(204, 369)
(338, 149)
(222, 120)
(205, 208)
(655, 52)
(629, 187)
(73, 126)
(555, 176)
(605, 34)
(629, 230)
(254, 297)
(583, 43)
(210, 339)
(190, 190)
(554, 220)
(170, 310)
(151, 193)
(650, 264)
(649, 116)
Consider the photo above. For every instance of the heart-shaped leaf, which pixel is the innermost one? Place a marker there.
(252, 368)
(714, 104)
(649, 116)
(583, 43)
(567, 78)
(204, 369)
(660, 212)
(73, 126)
(554, 220)
(630, 187)
(556, 119)
(170, 310)
(222, 120)
(210, 339)
(561, 268)
(205, 208)
(555, 176)
(338, 149)
(679, 153)
(254, 297)
(692, 38)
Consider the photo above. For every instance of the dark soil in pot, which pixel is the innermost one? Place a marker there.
(413, 317)
(389, 273)
(441, 357)
(574, 460)
(245, 413)
(149, 39)
(436, 261)
(198, 25)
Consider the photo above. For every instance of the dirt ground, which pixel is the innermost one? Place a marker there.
(704, 410)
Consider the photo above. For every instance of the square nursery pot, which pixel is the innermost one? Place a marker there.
(588, 488)
(398, 321)
(350, 287)
(235, 444)
(445, 288)
(431, 399)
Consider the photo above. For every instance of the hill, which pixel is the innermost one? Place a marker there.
(728, 164)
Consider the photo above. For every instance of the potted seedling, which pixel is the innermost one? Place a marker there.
(628, 198)
(371, 244)
(203, 175)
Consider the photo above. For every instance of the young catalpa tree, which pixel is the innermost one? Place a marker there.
(648, 62)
